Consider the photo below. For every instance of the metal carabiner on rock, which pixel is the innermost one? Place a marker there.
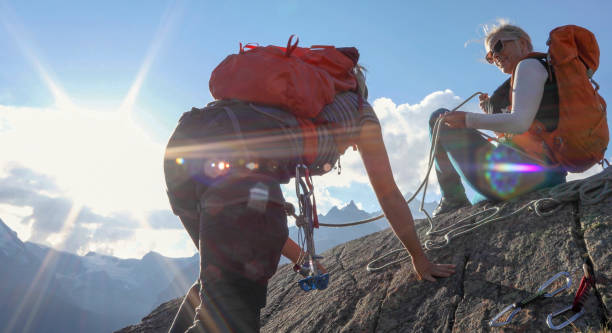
(545, 285)
(541, 292)
(585, 284)
(494, 323)
(550, 317)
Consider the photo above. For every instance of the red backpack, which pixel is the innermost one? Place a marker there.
(296, 79)
(581, 137)
(299, 80)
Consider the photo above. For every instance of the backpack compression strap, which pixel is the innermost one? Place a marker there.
(309, 135)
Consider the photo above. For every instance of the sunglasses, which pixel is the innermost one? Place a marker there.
(497, 48)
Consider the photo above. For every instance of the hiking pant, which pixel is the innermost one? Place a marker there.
(498, 172)
(239, 251)
(239, 239)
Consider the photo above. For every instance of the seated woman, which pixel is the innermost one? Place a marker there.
(219, 156)
(518, 163)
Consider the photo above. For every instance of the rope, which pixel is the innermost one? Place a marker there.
(461, 227)
(589, 191)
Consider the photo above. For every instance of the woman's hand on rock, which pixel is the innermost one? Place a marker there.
(426, 270)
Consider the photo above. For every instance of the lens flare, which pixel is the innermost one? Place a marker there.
(509, 167)
(504, 176)
(252, 166)
(180, 161)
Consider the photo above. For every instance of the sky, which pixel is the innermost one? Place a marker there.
(91, 91)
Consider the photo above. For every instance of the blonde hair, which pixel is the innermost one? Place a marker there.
(362, 88)
(504, 29)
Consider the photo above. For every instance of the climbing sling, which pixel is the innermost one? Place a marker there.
(306, 221)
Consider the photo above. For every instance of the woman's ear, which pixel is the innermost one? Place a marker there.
(524, 46)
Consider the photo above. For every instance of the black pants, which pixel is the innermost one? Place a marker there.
(239, 251)
(239, 243)
(497, 172)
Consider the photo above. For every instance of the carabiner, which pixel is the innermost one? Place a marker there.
(582, 291)
(568, 284)
(493, 322)
(565, 323)
(539, 294)
(319, 282)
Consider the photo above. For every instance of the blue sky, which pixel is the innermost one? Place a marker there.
(90, 92)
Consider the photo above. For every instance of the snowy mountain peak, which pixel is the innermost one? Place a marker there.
(351, 207)
(346, 213)
(153, 257)
(10, 244)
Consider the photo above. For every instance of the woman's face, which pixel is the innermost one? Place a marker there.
(506, 53)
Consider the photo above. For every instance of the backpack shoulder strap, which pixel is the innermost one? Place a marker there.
(543, 58)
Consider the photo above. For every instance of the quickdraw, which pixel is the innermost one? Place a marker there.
(541, 293)
(587, 281)
(307, 221)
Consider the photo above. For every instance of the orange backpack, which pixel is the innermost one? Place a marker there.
(296, 79)
(581, 137)
(299, 80)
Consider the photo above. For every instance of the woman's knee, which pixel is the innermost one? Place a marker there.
(435, 115)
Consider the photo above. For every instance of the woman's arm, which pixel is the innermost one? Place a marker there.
(293, 252)
(376, 161)
(529, 81)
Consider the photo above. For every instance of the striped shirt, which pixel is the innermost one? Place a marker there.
(344, 116)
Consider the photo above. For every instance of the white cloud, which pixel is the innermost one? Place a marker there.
(170, 243)
(13, 215)
(406, 135)
(101, 158)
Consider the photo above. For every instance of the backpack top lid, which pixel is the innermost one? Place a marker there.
(569, 42)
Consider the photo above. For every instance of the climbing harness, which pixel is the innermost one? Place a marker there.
(540, 293)
(587, 281)
(307, 221)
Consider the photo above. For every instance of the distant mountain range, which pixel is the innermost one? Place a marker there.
(44, 290)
